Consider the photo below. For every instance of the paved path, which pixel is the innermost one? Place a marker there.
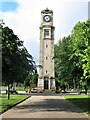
(49, 106)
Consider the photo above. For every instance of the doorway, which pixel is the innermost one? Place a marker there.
(46, 82)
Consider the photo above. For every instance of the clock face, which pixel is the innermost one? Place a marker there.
(47, 18)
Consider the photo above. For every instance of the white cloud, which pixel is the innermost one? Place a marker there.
(26, 20)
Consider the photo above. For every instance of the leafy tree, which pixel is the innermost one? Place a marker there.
(72, 57)
(1, 25)
(80, 37)
(17, 63)
(62, 62)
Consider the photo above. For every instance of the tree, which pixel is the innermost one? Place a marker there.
(72, 57)
(62, 62)
(17, 63)
(1, 25)
(80, 37)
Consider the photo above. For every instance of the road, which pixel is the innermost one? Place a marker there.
(45, 106)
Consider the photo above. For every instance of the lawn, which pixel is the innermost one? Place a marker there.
(4, 88)
(6, 104)
(82, 101)
(22, 88)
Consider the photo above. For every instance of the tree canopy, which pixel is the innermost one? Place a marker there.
(17, 63)
(72, 57)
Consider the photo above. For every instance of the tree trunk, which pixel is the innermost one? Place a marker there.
(8, 92)
(85, 89)
(74, 82)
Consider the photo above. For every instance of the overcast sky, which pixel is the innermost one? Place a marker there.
(24, 17)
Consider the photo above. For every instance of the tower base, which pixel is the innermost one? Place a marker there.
(46, 84)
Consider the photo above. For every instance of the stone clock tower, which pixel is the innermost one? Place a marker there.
(46, 79)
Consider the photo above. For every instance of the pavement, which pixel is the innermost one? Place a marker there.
(45, 106)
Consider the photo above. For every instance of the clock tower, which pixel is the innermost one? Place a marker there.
(46, 79)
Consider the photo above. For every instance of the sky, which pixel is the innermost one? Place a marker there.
(24, 18)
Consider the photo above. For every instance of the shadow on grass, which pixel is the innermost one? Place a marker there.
(82, 103)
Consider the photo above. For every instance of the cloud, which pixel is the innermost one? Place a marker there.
(25, 21)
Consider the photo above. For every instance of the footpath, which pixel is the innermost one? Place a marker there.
(45, 106)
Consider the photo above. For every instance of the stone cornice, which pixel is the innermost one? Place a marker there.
(43, 26)
(47, 11)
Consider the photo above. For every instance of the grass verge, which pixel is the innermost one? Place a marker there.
(6, 104)
(81, 101)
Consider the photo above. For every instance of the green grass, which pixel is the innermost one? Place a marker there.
(82, 101)
(3, 88)
(6, 104)
(22, 88)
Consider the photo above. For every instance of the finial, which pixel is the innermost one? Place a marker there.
(47, 9)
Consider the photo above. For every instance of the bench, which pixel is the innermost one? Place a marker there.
(82, 92)
(12, 92)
